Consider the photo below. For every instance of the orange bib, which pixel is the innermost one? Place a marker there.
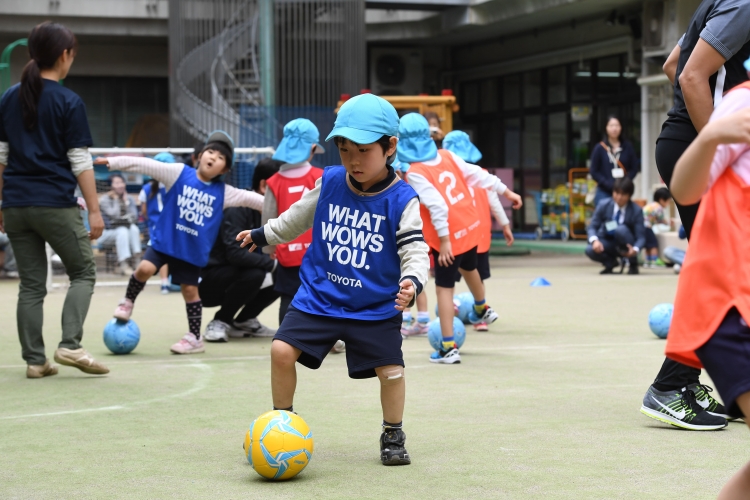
(715, 276)
(482, 203)
(463, 221)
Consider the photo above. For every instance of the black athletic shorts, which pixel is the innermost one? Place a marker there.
(183, 273)
(446, 276)
(726, 358)
(369, 344)
(483, 266)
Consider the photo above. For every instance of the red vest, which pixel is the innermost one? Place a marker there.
(482, 203)
(463, 221)
(287, 191)
(714, 277)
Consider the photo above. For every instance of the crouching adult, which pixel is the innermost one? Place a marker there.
(616, 230)
(235, 280)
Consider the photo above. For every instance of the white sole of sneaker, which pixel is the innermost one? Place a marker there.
(449, 361)
(678, 423)
(217, 340)
(194, 351)
(729, 418)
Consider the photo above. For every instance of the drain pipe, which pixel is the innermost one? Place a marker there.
(267, 62)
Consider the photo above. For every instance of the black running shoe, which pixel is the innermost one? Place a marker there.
(707, 402)
(679, 408)
(392, 451)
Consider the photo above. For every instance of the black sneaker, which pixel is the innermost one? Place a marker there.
(679, 408)
(392, 451)
(707, 402)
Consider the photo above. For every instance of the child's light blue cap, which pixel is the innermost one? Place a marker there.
(300, 135)
(364, 119)
(458, 142)
(747, 65)
(221, 136)
(415, 143)
(400, 165)
(164, 157)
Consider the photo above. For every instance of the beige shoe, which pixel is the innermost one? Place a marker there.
(125, 269)
(39, 371)
(79, 358)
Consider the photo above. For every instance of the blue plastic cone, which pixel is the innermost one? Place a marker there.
(540, 282)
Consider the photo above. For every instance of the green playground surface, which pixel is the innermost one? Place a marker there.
(544, 405)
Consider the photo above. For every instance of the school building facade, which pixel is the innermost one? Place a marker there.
(536, 80)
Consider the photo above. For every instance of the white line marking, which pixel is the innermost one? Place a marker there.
(201, 384)
(178, 361)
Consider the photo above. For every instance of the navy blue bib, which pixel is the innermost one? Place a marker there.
(352, 268)
(191, 219)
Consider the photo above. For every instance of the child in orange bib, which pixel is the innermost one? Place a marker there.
(451, 222)
(709, 328)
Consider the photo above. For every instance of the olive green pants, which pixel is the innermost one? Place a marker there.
(28, 229)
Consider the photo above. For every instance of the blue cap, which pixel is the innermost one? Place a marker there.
(164, 157)
(299, 136)
(400, 165)
(415, 143)
(458, 142)
(747, 65)
(364, 119)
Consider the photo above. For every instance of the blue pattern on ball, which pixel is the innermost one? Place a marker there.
(464, 302)
(121, 337)
(660, 318)
(436, 337)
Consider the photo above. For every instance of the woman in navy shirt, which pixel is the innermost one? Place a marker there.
(44, 140)
(611, 159)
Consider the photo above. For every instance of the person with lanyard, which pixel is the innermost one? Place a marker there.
(44, 141)
(706, 63)
(613, 158)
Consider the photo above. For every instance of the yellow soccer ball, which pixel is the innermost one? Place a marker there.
(278, 445)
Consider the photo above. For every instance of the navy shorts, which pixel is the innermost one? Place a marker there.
(483, 267)
(446, 276)
(369, 344)
(726, 358)
(183, 273)
(651, 241)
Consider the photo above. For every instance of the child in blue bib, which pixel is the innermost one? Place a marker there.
(190, 220)
(366, 263)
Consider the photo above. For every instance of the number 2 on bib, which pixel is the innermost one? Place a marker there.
(451, 185)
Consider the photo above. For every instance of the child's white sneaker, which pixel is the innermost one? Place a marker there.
(216, 331)
(488, 316)
(416, 330)
(188, 345)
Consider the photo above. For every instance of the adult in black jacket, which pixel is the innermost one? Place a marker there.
(611, 159)
(234, 278)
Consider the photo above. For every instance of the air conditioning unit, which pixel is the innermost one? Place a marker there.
(664, 22)
(396, 71)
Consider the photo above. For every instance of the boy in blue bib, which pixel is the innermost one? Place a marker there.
(367, 253)
(187, 227)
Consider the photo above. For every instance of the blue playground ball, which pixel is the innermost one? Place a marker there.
(464, 304)
(436, 337)
(121, 337)
(659, 319)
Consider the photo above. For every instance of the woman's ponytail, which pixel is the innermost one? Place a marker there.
(30, 92)
(47, 42)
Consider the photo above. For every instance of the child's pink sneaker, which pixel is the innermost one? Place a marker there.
(124, 310)
(188, 345)
(481, 327)
(416, 330)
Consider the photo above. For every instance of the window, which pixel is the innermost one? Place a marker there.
(532, 89)
(512, 92)
(557, 87)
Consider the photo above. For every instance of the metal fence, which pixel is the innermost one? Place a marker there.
(215, 79)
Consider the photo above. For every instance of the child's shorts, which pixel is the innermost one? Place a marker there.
(446, 276)
(369, 344)
(183, 273)
(726, 358)
(287, 280)
(651, 241)
(483, 265)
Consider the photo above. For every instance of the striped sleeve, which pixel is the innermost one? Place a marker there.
(166, 173)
